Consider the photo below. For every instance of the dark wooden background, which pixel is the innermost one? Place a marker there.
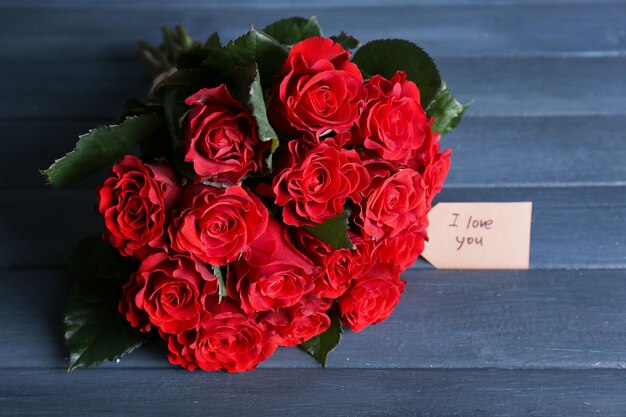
(548, 80)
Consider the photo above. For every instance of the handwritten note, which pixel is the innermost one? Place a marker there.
(479, 236)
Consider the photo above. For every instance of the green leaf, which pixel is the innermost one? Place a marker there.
(195, 56)
(175, 110)
(319, 346)
(257, 105)
(333, 231)
(248, 90)
(99, 148)
(171, 94)
(222, 291)
(446, 110)
(293, 30)
(94, 329)
(190, 80)
(158, 147)
(255, 46)
(154, 59)
(94, 259)
(136, 107)
(192, 58)
(385, 57)
(164, 57)
(345, 40)
(213, 41)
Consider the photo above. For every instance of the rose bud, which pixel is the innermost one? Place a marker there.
(217, 224)
(135, 201)
(166, 292)
(372, 298)
(319, 89)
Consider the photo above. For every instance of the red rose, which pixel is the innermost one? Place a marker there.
(317, 187)
(372, 298)
(181, 348)
(298, 323)
(393, 123)
(379, 170)
(435, 174)
(422, 156)
(226, 339)
(217, 224)
(403, 248)
(396, 203)
(220, 136)
(319, 89)
(340, 266)
(272, 274)
(135, 202)
(166, 292)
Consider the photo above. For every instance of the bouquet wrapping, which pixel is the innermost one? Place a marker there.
(281, 186)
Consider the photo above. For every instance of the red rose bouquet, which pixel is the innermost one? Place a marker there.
(283, 186)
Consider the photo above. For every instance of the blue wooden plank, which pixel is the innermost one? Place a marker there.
(539, 319)
(499, 86)
(308, 393)
(469, 30)
(487, 152)
(548, 120)
(30, 146)
(265, 4)
(88, 67)
(538, 151)
(573, 227)
(529, 86)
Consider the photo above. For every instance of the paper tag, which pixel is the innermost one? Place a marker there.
(479, 236)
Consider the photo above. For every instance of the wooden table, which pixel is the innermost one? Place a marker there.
(548, 124)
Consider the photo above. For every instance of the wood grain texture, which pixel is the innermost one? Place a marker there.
(554, 151)
(86, 69)
(538, 151)
(308, 393)
(524, 29)
(283, 4)
(540, 319)
(499, 86)
(547, 125)
(573, 227)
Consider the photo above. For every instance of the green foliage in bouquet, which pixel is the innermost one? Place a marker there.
(94, 330)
